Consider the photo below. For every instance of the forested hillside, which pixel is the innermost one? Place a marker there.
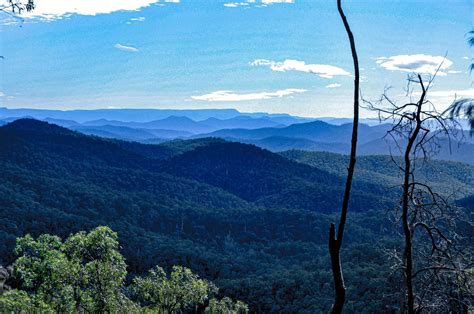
(324, 137)
(450, 177)
(253, 222)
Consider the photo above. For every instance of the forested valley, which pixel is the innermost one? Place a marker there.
(250, 223)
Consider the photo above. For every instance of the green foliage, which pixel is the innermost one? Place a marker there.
(86, 273)
(17, 301)
(226, 306)
(182, 292)
(45, 269)
(102, 268)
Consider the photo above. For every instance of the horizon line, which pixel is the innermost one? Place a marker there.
(184, 109)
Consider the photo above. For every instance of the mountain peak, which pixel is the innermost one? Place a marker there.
(177, 118)
(27, 124)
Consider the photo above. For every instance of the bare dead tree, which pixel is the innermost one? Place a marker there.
(435, 274)
(13, 7)
(335, 240)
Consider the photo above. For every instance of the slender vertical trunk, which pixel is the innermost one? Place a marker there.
(407, 255)
(408, 252)
(335, 241)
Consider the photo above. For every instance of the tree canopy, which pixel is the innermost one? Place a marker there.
(86, 273)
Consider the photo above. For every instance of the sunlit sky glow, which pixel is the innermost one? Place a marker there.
(278, 56)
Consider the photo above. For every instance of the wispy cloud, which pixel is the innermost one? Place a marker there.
(277, 1)
(459, 93)
(323, 70)
(334, 85)
(126, 48)
(2, 94)
(419, 63)
(236, 4)
(55, 9)
(136, 20)
(255, 3)
(225, 95)
(443, 98)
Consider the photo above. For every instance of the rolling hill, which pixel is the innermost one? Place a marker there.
(324, 137)
(131, 134)
(265, 178)
(450, 177)
(316, 131)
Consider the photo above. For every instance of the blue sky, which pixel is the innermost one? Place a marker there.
(261, 55)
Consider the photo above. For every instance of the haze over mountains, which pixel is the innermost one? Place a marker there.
(138, 115)
(275, 132)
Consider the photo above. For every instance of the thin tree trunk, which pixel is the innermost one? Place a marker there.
(335, 242)
(408, 252)
(407, 256)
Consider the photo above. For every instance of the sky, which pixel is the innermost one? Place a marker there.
(276, 56)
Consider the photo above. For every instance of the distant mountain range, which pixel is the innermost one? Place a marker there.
(273, 132)
(316, 131)
(321, 136)
(212, 118)
(140, 115)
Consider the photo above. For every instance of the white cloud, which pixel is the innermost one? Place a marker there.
(136, 20)
(465, 58)
(444, 98)
(419, 63)
(260, 3)
(460, 93)
(225, 95)
(454, 72)
(126, 48)
(2, 94)
(236, 4)
(277, 1)
(323, 70)
(334, 85)
(57, 9)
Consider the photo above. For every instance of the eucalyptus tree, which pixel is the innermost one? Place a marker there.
(84, 273)
(464, 108)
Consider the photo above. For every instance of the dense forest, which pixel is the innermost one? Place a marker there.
(251, 221)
